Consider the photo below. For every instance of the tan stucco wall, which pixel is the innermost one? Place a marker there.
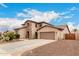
(33, 30)
(65, 31)
(29, 29)
(22, 33)
(77, 35)
(58, 33)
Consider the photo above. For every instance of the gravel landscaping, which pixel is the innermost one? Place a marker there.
(58, 48)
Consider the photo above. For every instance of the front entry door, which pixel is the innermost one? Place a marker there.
(27, 34)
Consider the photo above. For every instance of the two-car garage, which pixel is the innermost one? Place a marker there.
(48, 32)
(47, 35)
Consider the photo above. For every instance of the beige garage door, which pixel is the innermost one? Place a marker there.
(47, 35)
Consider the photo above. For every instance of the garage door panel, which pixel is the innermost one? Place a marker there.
(47, 35)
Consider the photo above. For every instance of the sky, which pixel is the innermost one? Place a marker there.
(12, 15)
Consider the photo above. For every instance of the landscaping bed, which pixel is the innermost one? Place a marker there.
(9, 36)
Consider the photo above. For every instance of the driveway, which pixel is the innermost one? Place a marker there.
(17, 48)
(58, 48)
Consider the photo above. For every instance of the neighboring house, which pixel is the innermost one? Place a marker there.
(34, 30)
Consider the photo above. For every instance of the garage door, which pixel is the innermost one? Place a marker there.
(47, 35)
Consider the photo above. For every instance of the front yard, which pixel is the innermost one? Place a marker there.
(40, 47)
(58, 48)
(19, 47)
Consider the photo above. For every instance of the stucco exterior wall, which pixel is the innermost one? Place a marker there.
(49, 29)
(77, 35)
(65, 31)
(22, 33)
(33, 30)
(29, 28)
(61, 35)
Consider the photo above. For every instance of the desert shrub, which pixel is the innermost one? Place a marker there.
(17, 36)
(10, 35)
(0, 34)
(7, 36)
(1, 37)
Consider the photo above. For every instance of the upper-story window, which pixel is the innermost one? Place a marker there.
(40, 25)
(27, 24)
(35, 25)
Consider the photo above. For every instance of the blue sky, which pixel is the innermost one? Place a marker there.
(54, 13)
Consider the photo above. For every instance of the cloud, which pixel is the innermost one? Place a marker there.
(3, 5)
(47, 16)
(71, 25)
(64, 13)
(10, 22)
(21, 15)
(77, 27)
(67, 17)
(36, 15)
(73, 8)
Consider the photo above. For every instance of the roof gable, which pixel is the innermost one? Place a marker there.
(20, 28)
(36, 22)
(51, 27)
(28, 21)
(64, 26)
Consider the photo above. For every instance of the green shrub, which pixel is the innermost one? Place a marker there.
(7, 36)
(1, 37)
(17, 36)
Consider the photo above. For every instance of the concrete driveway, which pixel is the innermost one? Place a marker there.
(17, 48)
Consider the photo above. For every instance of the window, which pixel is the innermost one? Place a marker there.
(27, 34)
(35, 25)
(27, 24)
(36, 35)
(40, 25)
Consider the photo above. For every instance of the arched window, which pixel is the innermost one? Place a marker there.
(27, 24)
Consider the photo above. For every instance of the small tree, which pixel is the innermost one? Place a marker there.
(75, 30)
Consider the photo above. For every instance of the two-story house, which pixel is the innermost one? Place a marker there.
(39, 30)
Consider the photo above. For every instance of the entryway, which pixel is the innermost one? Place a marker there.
(27, 34)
